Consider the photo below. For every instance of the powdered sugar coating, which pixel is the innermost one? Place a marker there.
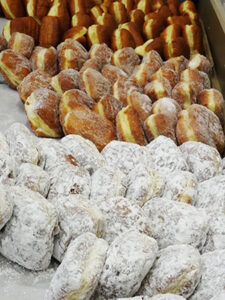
(113, 73)
(6, 207)
(8, 168)
(174, 223)
(22, 145)
(79, 272)
(129, 258)
(167, 297)
(67, 179)
(204, 161)
(102, 52)
(220, 296)
(144, 184)
(181, 186)
(121, 215)
(84, 151)
(34, 178)
(3, 144)
(213, 275)
(166, 156)
(177, 270)
(106, 183)
(126, 59)
(75, 218)
(27, 238)
(153, 56)
(135, 298)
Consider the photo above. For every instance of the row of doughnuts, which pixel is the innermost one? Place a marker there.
(124, 222)
(115, 94)
(169, 28)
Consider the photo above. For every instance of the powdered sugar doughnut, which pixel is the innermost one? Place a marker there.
(121, 215)
(178, 64)
(167, 106)
(75, 218)
(174, 223)
(6, 207)
(128, 261)
(84, 151)
(157, 89)
(34, 178)
(8, 168)
(169, 74)
(181, 186)
(68, 179)
(135, 298)
(124, 156)
(166, 156)
(153, 57)
(216, 234)
(142, 73)
(177, 270)
(66, 80)
(211, 195)
(123, 87)
(79, 272)
(107, 182)
(144, 184)
(102, 52)
(220, 296)
(213, 276)
(22, 145)
(126, 59)
(200, 62)
(113, 73)
(27, 238)
(167, 297)
(3, 144)
(190, 75)
(204, 161)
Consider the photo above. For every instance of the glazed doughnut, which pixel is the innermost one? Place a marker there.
(201, 63)
(76, 33)
(6, 207)
(37, 8)
(129, 4)
(26, 25)
(59, 9)
(176, 47)
(178, 64)
(171, 32)
(25, 247)
(14, 67)
(153, 57)
(3, 43)
(95, 12)
(98, 34)
(176, 223)
(156, 44)
(71, 55)
(166, 73)
(35, 80)
(113, 73)
(95, 84)
(122, 38)
(42, 109)
(89, 125)
(143, 73)
(50, 32)
(66, 80)
(213, 100)
(152, 28)
(141, 103)
(200, 124)
(126, 59)
(173, 6)
(193, 37)
(136, 34)
(122, 87)
(80, 259)
(180, 20)
(44, 59)
(157, 89)
(21, 43)
(108, 107)
(144, 5)
(190, 76)
(108, 21)
(137, 17)
(81, 19)
(129, 128)
(13, 8)
(186, 93)
(102, 52)
(76, 6)
(119, 12)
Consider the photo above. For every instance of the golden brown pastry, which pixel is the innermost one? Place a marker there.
(178, 64)
(119, 12)
(128, 126)
(66, 80)
(108, 107)
(95, 12)
(173, 6)
(193, 37)
(50, 32)
(76, 33)
(13, 8)
(187, 6)
(3, 43)
(171, 32)
(21, 43)
(122, 38)
(44, 59)
(190, 75)
(143, 73)
(126, 59)
(122, 87)
(81, 19)
(200, 124)
(136, 34)
(156, 5)
(26, 25)
(153, 57)
(106, 5)
(71, 55)
(97, 34)
(156, 44)
(37, 8)
(129, 4)
(167, 73)
(59, 9)
(214, 101)
(14, 67)
(76, 6)
(152, 28)
(175, 48)
(165, 12)
(102, 52)
(144, 5)
(200, 62)
(137, 16)
(92, 63)
(157, 89)
(180, 20)
(108, 21)
(113, 73)
(42, 109)
(33, 81)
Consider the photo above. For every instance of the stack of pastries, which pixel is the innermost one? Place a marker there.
(166, 26)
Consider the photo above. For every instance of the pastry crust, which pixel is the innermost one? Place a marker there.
(108, 21)
(3, 43)
(76, 6)
(137, 16)
(156, 44)
(136, 34)
(44, 59)
(50, 32)
(173, 6)
(180, 20)
(152, 28)
(21, 43)
(81, 19)
(171, 32)
(144, 5)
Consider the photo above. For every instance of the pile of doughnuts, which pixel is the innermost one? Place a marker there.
(131, 222)
(168, 27)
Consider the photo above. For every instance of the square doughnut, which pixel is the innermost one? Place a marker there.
(44, 59)
(27, 238)
(6, 207)
(65, 80)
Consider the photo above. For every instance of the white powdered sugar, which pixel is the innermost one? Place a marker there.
(3, 144)
(8, 168)
(220, 296)
(174, 223)
(79, 272)
(129, 258)
(6, 207)
(203, 160)
(75, 217)
(28, 237)
(177, 270)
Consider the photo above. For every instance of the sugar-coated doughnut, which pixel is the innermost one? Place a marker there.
(44, 59)
(21, 43)
(6, 207)
(157, 89)
(102, 52)
(113, 73)
(3, 43)
(122, 87)
(167, 73)
(168, 107)
(190, 75)
(126, 59)
(141, 103)
(200, 62)
(143, 73)
(65, 80)
(178, 64)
